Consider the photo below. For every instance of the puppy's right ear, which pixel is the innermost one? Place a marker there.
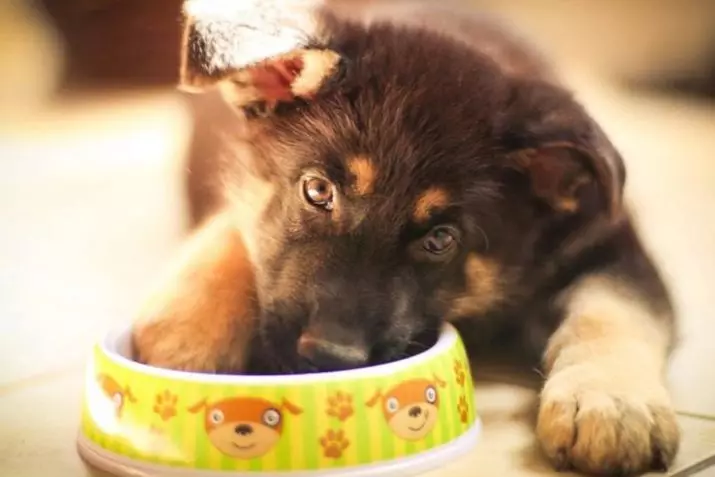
(259, 52)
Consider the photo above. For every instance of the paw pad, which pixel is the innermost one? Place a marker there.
(334, 443)
(463, 408)
(340, 406)
(165, 405)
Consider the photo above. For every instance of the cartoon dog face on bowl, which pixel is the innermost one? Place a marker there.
(242, 427)
(118, 394)
(411, 407)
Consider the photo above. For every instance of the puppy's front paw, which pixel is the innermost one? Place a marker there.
(606, 427)
(180, 348)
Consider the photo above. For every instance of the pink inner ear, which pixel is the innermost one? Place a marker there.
(274, 79)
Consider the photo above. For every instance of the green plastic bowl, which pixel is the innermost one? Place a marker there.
(401, 418)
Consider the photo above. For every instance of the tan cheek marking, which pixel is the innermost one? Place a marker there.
(364, 172)
(484, 290)
(430, 200)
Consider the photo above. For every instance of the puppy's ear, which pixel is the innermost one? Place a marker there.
(571, 164)
(259, 52)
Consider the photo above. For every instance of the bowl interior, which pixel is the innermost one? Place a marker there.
(117, 347)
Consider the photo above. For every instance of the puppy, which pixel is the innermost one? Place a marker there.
(358, 179)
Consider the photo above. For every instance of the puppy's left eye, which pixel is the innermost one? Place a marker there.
(440, 240)
(319, 192)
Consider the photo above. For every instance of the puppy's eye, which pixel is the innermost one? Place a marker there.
(440, 240)
(319, 192)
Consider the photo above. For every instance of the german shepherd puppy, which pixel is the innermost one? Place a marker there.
(376, 176)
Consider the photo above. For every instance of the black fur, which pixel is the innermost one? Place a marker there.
(428, 111)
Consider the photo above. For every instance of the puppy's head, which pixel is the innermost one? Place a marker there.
(409, 178)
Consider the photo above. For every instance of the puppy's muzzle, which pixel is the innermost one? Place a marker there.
(328, 355)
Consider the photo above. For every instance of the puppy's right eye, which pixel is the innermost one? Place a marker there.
(440, 240)
(319, 193)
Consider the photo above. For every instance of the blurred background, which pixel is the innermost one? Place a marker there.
(94, 138)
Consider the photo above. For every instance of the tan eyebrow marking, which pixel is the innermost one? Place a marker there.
(362, 168)
(484, 290)
(430, 200)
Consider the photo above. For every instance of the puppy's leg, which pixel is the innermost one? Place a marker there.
(202, 318)
(604, 407)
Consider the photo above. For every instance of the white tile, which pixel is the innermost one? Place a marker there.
(91, 206)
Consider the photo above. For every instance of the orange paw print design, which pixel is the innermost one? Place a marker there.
(459, 372)
(340, 406)
(334, 444)
(411, 408)
(165, 405)
(118, 394)
(463, 408)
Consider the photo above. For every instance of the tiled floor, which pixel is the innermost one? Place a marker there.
(89, 216)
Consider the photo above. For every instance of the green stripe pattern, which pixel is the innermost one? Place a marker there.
(335, 428)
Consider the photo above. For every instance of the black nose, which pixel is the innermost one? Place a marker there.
(329, 356)
(415, 411)
(244, 430)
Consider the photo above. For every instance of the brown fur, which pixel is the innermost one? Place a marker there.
(606, 364)
(469, 137)
(483, 292)
(201, 320)
(364, 173)
(432, 200)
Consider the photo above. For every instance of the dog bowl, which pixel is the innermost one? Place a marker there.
(401, 418)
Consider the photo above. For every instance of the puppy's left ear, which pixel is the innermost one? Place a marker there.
(259, 52)
(571, 164)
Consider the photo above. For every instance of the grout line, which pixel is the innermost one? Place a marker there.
(695, 415)
(695, 469)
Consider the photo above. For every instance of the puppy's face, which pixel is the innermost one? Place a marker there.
(405, 171)
(362, 235)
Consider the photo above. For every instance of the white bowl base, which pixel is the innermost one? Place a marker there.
(404, 467)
